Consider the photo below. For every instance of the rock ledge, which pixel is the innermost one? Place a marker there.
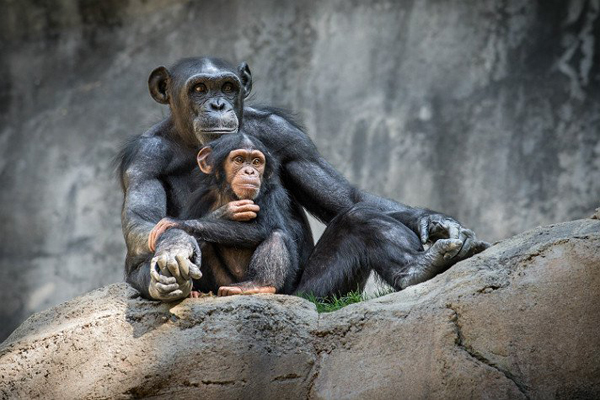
(517, 321)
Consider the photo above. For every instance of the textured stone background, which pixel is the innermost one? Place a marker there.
(487, 110)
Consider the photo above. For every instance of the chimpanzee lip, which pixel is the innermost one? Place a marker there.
(248, 185)
(218, 130)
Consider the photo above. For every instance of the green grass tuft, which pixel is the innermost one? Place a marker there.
(334, 303)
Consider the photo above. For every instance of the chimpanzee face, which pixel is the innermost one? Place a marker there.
(244, 169)
(206, 96)
(237, 164)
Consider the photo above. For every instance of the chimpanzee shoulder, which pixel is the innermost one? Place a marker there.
(279, 130)
(151, 153)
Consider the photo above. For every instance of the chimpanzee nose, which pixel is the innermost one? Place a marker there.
(249, 171)
(217, 105)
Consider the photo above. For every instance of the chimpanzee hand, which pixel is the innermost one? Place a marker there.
(171, 269)
(441, 255)
(240, 210)
(245, 288)
(462, 241)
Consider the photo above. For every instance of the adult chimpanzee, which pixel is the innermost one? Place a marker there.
(239, 176)
(364, 232)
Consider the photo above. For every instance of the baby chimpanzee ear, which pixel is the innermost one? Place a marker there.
(204, 161)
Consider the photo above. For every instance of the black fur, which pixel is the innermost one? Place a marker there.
(266, 267)
(365, 232)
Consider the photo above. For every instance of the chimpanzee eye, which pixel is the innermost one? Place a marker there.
(239, 159)
(256, 162)
(227, 87)
(200, 88)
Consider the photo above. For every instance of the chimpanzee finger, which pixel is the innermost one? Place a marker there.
(173, 267)
(242, 202)
(158, 277)
(229, 291)
(166, 288)
(175, 295)
(467, 236)
(162, 264)
(244, 216)
(167, 280)
(424, 228)
(188, 269)
(154, 271)
(195, 272)
(223, 291)
(248, 207)
(452, 252)
(245, 208)
(184, 267)
(260, 290)
(443, 247)
(452, 229)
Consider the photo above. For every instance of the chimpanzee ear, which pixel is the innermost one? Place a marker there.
(203, 159)
(157, 83)
(246, 78)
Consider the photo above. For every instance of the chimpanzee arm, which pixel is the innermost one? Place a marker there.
(229, 233)
(145, 199)
(322, 190)
(325, 193)
(142, 163)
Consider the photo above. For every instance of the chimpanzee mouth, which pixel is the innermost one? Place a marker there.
(249, 184)
(205, 136)
(219, 131)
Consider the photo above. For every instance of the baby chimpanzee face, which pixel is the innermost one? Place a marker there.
(244, 170)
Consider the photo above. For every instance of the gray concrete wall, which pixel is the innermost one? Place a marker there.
(486, 110)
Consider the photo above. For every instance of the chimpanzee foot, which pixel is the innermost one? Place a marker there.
(245, 289)
(430, 263)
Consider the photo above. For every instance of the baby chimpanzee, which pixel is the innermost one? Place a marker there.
(240, 216)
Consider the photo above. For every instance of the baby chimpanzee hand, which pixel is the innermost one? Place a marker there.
(240, 210)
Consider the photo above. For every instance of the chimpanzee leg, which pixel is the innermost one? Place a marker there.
(274, 262)
(364, 239)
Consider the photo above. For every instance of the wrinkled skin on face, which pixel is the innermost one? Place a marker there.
(205, 97)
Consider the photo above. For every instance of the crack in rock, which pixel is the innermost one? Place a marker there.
(460, 342)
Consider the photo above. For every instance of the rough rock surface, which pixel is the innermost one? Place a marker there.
(517, 321)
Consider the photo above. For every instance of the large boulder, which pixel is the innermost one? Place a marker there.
(520, 320)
